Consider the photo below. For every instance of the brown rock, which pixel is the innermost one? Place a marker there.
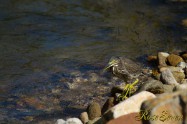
(165, 109)
(174, 59)
(108, 104)
(179, 76)
(184, 56)
(152, 58)
(126, 119)
(94, 110)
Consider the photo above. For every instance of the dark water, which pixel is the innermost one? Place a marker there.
(52, 52)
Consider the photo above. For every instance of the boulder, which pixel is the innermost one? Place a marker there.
(167, 77)
(169, 108)
(94, 110)
(128, 106)
(174, 59)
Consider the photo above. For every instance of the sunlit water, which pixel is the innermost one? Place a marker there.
(45, 46)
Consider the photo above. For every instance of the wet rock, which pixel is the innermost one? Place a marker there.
(181, 87)
(174, 59)
(167, 77)
(126, 119)
(84, 117)
(162, 58)
(128, 106)
(170, 107)
(179, 76)
(153, 86)
(60, 121)
(94, 110)
(108, 104)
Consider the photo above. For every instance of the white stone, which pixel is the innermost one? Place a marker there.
(84, 117)
(168, 78)
(73, 121)
(60, 121)
(132, 104)
(182, 65)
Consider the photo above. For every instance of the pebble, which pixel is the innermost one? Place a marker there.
(93, 110)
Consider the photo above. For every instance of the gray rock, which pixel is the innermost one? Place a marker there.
(73, 121)
(168, 88)
(167, 77)
(84, 117)
(94, 110)
(181, 87)
(162, 58)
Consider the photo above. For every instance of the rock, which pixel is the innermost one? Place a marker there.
(181, 87)
(182, 65)
(184, 56)
(108, 104)
(73, 121)
(153, 86)
(174, 59)
(96, 121)
(152, 58)
(169, 108)
(167, 77)
(130, 105)
(84, 117)
(179, 76)
(172, 68)
(126, 119)
(185, 71)
(184, 22)
(162, 58)
(94, 110)
(168, 88)
(184, 81)
(60, 121)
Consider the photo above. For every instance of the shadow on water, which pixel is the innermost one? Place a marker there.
(53, 52)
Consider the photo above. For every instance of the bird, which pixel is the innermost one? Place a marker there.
(123, 68)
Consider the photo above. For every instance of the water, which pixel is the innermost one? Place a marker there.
(48, 46)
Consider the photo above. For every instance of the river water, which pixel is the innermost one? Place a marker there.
(52, 53)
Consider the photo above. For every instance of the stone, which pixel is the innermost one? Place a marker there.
(84, 117)
(97, 120)
(94, 110)
(126, 119)
(60, 121)
(169, 108)
(153, 86)
(181, 87)
(130, 105)
(174, 59)
(162, 58)
(108, 104)
(182, 65)
(184, 56)
(152, 58)
(73, 121)
(184, 81)
(172, 68)
(179, 76)
(167, 77)
(184, 22)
